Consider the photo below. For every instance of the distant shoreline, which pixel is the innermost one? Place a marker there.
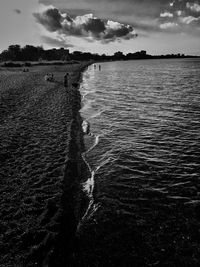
(40, 56)
(20, 64)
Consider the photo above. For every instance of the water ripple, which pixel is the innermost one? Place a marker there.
(149, 122)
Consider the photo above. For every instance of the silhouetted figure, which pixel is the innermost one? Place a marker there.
(99, 67)
(94, 66)
(49, 77)
(46, 77)
(66, 80)
(25, 70)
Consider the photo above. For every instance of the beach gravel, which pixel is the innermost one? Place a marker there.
(35, 126)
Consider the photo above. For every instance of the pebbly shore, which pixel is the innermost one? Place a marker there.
(41, 168)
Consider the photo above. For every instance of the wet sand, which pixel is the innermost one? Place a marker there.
(40, 166)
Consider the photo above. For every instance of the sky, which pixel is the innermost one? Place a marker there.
(103, 26)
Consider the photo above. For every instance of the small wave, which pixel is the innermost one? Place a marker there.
(103, 163)
(86, 127)
(88, 186)
(84, 95)
(87, 105)
(99, 113)
(95, 142)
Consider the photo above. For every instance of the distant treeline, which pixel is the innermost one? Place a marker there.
(32, 53)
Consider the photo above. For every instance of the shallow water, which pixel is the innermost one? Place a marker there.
(146, 115)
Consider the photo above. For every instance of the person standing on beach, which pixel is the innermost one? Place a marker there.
(66, 80)
(99, 67)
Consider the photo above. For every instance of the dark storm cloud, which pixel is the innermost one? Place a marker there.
(87, 26)
(18, 11)
(94, 25)
(51, 19)
(55, 42)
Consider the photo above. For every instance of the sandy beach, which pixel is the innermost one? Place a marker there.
(40, 170)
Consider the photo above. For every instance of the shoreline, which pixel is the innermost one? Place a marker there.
(76, 173)
(42, 200)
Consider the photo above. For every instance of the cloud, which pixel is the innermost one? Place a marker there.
(179, 12)
(51, 19)
(185, 17)
(195, 7)
(17, 11)
(189, 19)
(168, 25)
(166, 14)
(86, 26)
(145, 15)
(58, 42)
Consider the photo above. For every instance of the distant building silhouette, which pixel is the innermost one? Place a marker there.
(31, 53)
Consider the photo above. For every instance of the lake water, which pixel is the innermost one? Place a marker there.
(144, 155)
